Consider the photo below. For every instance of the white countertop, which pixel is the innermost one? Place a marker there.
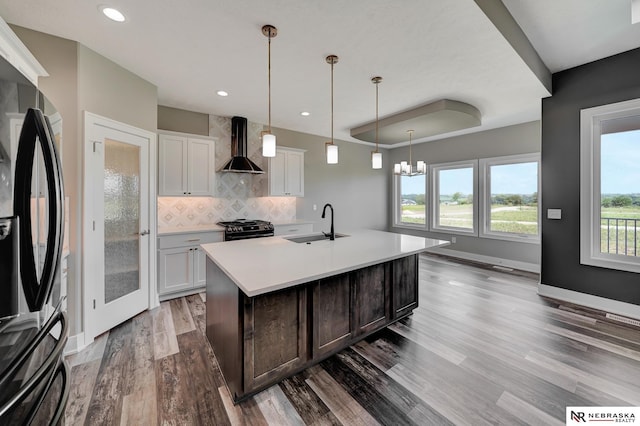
(291, 222)
(190, 229)
(262, 265)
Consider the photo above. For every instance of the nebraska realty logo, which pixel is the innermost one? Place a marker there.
(581, 415)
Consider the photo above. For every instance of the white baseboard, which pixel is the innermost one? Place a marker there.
(523, 266)
(590, 301)
(75, 344)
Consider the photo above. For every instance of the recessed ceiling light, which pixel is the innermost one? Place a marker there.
(222, 93)
(113, 14)
(305, 113)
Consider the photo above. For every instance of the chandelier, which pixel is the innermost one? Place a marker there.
(407, 168)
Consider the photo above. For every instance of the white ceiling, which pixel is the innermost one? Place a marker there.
(424, 50)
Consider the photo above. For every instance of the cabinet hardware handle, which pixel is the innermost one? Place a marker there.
(194, 239)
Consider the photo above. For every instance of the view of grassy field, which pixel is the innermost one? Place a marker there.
(513, 219)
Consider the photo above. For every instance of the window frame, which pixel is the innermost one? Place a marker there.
(434, 172)
(485, 198)
(397, 214)
(590, 185)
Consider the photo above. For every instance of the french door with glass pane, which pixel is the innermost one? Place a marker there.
(116, 241)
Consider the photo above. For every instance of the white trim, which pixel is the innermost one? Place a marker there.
(590, 223)
(434, 172)
(75, 344)
(17, 54)
(490, 260)
(154, 298)
(187, 135)
(590, 301)
(484, 210)
(187, 292)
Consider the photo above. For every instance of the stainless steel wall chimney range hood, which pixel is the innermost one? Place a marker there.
(239, 162)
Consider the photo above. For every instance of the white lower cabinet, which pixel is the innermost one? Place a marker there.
(291, 229)
(182, 263)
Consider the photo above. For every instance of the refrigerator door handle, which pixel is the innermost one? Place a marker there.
(37, 127)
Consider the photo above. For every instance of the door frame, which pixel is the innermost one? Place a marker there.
(90, 120)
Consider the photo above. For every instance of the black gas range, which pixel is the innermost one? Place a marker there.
(242, 229)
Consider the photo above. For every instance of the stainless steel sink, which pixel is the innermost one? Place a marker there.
(310, 238)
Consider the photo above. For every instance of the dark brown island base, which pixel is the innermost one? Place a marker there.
(260, 340)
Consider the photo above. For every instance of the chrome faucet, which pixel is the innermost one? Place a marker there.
(332, 234)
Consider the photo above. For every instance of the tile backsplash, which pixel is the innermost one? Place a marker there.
(238, 195)
(194, 211)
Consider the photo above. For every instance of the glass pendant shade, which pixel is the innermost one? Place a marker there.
(376, 160)
(268, 145)
(332, 153)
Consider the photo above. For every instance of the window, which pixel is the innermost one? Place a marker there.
(510, 197)
(411, 206)
(454, 197)
(610, 186)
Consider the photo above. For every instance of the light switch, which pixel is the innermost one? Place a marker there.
(554, 213)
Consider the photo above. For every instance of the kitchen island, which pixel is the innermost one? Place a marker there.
(276, 307)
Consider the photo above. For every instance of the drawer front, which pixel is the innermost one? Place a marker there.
(193, 239)
(302, 228)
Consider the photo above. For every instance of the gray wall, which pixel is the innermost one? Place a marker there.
(607, 81)
(358, 193)
(107, 89)
(81, 79)
(179, 120)
(511, 140)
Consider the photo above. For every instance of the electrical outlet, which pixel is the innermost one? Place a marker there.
(453, 240)
(315, 207)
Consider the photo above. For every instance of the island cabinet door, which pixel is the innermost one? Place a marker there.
(404, 285)
(332, 314)
(275, 336)
(372, 287)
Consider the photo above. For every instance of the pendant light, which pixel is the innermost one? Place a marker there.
(268, 138)
(376, 156)
(331, 148)
(407, 169)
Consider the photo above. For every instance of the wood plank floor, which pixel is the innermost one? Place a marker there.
(482, 348)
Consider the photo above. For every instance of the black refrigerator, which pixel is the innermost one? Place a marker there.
(34, 377)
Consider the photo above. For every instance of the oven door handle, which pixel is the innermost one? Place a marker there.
(247, 237)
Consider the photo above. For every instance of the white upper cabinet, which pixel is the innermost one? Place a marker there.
(186, 165)
(286, 173)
